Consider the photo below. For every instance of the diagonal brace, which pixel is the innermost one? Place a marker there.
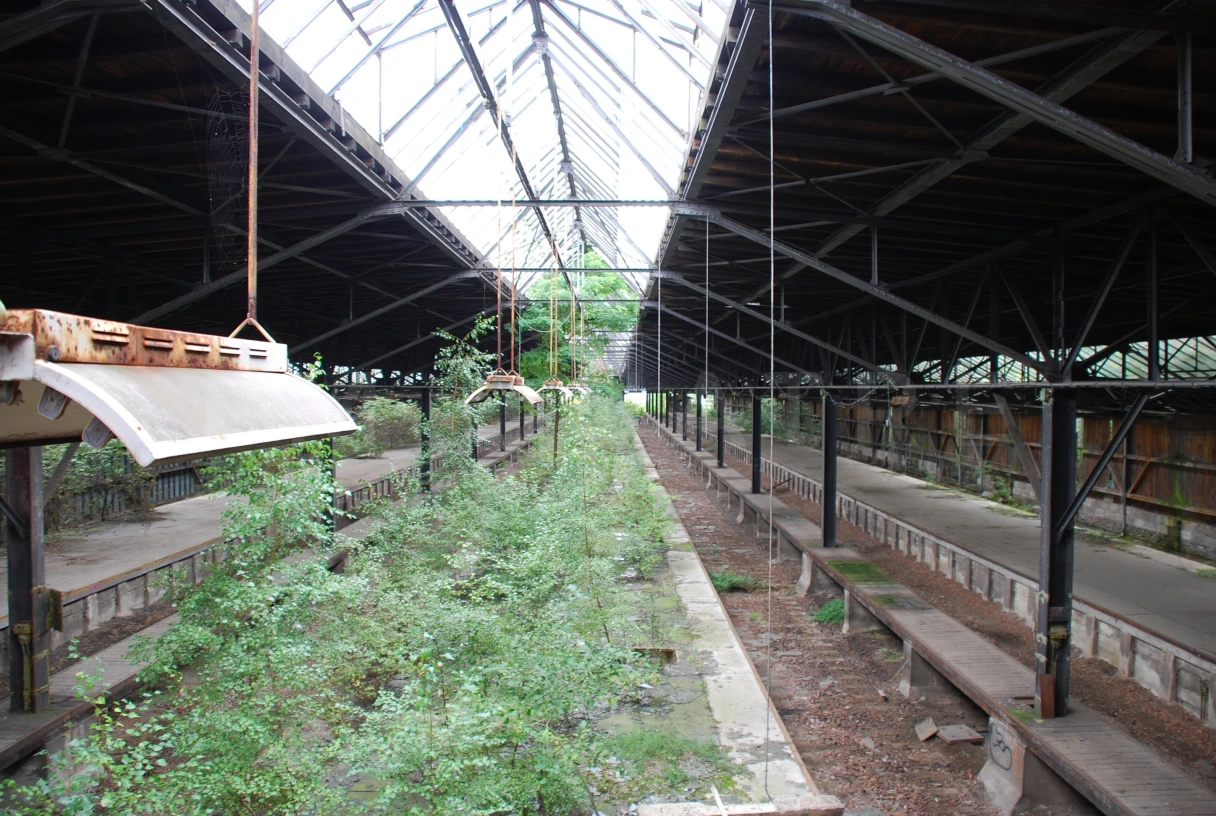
(1115, 441)
(878, 292)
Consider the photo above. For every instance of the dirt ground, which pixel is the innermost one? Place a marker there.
(827, 686)
(838, 696)
(1175, 733)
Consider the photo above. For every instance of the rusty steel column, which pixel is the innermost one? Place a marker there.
(28, 636)
(828, 509)
(720, 410)
(502, 422)
(757, 451)
(522, 428)
(1053, 627)
(424, 468)
(684, 416)
(698, 421)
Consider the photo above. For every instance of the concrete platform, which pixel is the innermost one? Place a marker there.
(747, 724)
(1174, 603)
(1030, 761)
(22, 734)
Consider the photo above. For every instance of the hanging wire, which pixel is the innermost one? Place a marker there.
(772, 350)
(659, 349)
(498, 281)
(553, 328)
(573, 336)
(514, 222)
(251, 249)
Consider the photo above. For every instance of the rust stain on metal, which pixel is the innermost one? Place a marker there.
(67, 338)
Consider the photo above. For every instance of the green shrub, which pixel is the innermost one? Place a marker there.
(391, 423)
(454, 667)
(830, 612)
(360, 443)
(732, 581)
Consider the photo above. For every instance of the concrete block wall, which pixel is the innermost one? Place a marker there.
(94, 606)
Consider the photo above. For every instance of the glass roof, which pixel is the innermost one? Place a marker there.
(598, 100)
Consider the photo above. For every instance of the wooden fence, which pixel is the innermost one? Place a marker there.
(1161, 483)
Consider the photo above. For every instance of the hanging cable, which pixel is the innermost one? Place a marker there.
(514, 222)
(251, 228)
(498, 282)
(573, 336)
(772, 350)
(659, 348)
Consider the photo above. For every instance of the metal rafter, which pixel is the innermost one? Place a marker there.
(1083, 72)
(388, 307)
(743, 57)
(540, 37)
(184, 23)
(1036, 107)
(487, 93)
(782, 326)
(878, 292)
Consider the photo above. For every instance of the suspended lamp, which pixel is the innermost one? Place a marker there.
(167, 395)
(501, 380)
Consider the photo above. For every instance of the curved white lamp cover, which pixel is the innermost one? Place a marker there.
(500, 381)
(168, 396)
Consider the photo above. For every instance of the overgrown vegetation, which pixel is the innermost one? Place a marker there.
(598, 314)
(732, 581)
(830, 612)
(99, 483)
(384, 424)
(457, 666)
(772, 417)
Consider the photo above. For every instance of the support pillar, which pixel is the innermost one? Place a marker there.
(557, 422)
(720, 410)
(1186, 152)
(857, 618)
(424, 440)
(757, 452)
(1154, 333)
(1017, 781)
(684, 416)
(522, 427)
(28, 637)
(828, 515)
(919, 679)
(699, 421)
(502, 422)
(1054, 611)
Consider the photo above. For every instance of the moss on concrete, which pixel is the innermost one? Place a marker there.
(899, 601)
(861, 572)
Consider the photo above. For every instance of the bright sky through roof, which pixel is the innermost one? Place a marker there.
(629, 76)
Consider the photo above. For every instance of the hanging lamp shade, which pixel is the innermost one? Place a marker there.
(557, 385)
(502, 381)
(169, 396)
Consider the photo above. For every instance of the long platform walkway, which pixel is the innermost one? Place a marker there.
(1172, 602)
(101, 552)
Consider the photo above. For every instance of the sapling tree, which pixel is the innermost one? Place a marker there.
(459, 664)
